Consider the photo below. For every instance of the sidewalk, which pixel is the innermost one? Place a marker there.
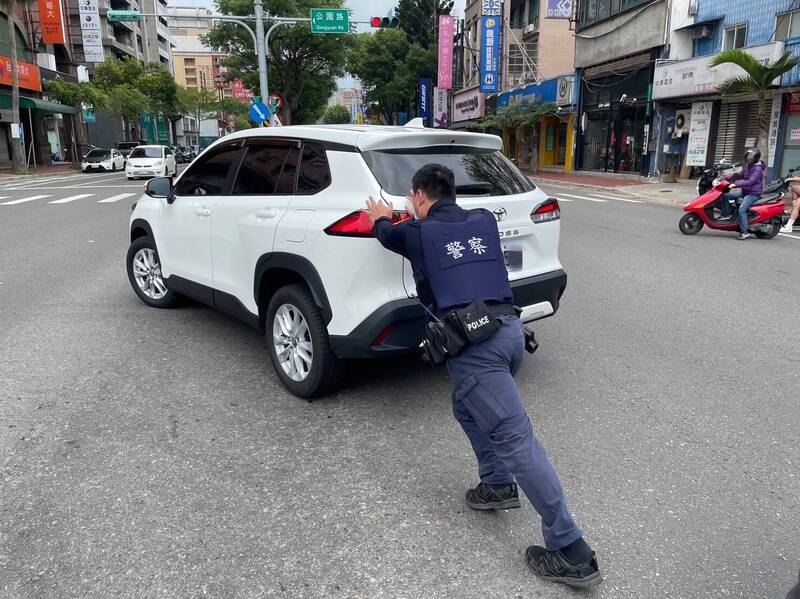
(61, 168)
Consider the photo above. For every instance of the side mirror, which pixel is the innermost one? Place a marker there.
(160, 187)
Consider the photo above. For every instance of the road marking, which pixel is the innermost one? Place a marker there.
(569, 195)
(121, 196)
(564, 200)
(42, 181)
(20, 201)
(789, 235)
(106, 186)
(80, 196)
(97, 180)
(619, 199)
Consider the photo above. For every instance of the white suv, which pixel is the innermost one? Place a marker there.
(267, 225)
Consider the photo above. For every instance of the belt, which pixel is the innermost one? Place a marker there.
(503, 310)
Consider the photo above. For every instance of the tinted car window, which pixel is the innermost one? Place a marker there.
(141, 152)
(207, 175)
(167, 151)
(478, 171)
(268, 168)
(99, 154)
(315, 174)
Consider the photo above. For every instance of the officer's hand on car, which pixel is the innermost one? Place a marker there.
(376, 209)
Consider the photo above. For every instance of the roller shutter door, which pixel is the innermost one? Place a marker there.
(737, 123)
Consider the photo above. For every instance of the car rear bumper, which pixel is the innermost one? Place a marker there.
(398, 327)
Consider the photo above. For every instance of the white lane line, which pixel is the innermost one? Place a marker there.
(106, 186)
(569, 195)
(80, 196)
(22, 200)
(121, 196)
(93, 181)
(790, 236)
(43, 181)
(564, 200)
(619, 199)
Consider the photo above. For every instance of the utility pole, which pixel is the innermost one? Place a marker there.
(261, 50)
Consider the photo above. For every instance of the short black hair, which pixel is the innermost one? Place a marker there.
(436, 180)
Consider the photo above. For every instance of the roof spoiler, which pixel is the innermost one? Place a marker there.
(416, 123)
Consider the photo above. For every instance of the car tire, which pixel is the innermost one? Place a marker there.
(143, 256)
(304, 373)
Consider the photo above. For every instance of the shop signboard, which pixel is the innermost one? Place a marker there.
(440, 116)
(424, 92)
(468, 105)
(490, 54)
(446, 30)
(774, 123)
(51, 18)
(27, 74)
(90, 31)
(559, 9)
(564, 91)
(699, 129)
(696, 76)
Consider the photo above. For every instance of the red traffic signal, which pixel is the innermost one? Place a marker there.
(385, 22)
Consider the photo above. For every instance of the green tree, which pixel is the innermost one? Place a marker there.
(390, 68)
(336, 115)
(303, 67)
(239, 110)
(757, 79)
(78, 95)
(420, 19)
(520, 117)
(202, 104)
(17, 153)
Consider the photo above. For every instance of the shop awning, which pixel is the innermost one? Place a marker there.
(37, 104)
(708, 21)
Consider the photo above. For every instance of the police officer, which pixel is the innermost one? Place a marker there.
(457, 258)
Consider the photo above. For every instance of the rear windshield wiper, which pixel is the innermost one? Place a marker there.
(475, 189)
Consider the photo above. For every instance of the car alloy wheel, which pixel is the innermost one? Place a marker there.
(147, 274)
(293, 345)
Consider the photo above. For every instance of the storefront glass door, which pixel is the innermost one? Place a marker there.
(595, 141)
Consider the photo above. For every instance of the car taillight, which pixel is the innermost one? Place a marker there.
(546, 212)
(357, 224)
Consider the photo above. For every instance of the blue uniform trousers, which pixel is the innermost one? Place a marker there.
(487, 404)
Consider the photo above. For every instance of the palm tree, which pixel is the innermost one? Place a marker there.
(17, 154)
(758, 78)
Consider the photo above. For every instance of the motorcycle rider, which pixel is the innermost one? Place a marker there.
(747, 187)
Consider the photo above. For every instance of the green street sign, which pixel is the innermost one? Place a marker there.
(123, 15)
(330, 20)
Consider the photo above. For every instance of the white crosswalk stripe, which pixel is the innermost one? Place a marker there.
(23, 200)
(116, 198)
(618, 199)
(569, 195)
(80, 196)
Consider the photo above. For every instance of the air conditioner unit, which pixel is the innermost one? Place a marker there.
(530, 28)
(703, 33)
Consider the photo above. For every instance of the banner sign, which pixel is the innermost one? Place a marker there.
(440, 117)
(240, 92)
(559, 9)
(774, 123)
(90, 31)
(446, 31)
(699, 128)
(27, 73)
(52, 21)
(468, 105)
(490, 54)
(424, 92)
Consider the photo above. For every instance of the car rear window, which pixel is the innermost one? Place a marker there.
(99, 154)
(146, 153)
(478, 171)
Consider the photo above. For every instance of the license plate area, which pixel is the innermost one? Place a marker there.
(513, 259)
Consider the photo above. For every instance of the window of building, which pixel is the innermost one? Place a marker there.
(315, 175)
(209, 175)
(268, 168)
(735, 37)
(188, 61)
(787, 25)
(594, 11)
(533, 12)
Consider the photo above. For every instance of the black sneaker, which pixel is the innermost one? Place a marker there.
(554, 566)
(493, 497)
(744, 236)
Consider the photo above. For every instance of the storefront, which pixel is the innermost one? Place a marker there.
(614, 116)
(554, 137)
(727, 126)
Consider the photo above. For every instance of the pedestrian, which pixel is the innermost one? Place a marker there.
(460, 275)
(794, 191)
(747, 187)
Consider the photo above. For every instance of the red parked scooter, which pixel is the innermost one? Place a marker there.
(764, 219)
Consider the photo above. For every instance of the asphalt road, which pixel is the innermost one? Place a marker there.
(148, 453)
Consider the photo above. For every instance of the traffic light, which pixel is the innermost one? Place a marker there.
(385, 22)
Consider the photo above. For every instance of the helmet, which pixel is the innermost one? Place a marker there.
(753, 153)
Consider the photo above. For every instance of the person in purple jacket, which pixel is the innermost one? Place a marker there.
(747, 186)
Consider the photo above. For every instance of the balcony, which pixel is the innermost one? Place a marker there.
(792, 77)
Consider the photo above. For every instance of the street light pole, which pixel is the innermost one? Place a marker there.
(261, 52)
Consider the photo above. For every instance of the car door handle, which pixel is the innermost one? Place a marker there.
(266, 213)
(202, 212)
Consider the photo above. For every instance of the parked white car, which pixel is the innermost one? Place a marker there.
(102, 159)
(150, 161)
(268, 225)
